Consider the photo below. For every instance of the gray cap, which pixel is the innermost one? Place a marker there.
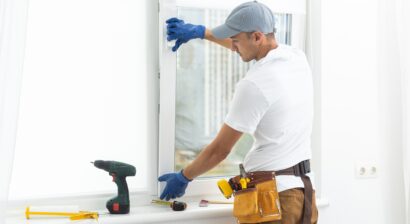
(247, 17)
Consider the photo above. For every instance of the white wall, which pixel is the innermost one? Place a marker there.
(84, 79)
(391, 110)
(144, 62)
(313, 53)
(360, 113)
(12, 32)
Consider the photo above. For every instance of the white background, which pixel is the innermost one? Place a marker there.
(84, 97)
(355, 42)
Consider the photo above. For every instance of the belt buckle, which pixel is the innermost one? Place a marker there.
(303, 168)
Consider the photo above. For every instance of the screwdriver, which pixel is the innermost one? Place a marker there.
(175, 205)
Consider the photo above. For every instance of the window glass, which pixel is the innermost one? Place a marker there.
(206, 78)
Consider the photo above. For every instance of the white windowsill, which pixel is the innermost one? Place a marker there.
(149, 214)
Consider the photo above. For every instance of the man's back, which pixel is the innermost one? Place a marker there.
(274, 103)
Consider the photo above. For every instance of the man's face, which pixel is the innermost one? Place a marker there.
(245, 45)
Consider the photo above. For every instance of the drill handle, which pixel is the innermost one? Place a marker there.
(122, 187)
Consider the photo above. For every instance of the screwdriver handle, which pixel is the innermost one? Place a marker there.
(178, 206)
(175, 205)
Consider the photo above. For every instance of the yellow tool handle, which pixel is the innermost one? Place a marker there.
(244, 182)
(68, 214)
(53, 213)
(84, 215)
(71, 215)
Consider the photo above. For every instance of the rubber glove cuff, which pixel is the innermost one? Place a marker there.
(181, 177)
(199, 31)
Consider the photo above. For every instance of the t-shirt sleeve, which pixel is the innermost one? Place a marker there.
(247, 107)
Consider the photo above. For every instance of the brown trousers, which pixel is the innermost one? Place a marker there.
(291, 204)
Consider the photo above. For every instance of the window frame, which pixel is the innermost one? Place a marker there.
(167, 79)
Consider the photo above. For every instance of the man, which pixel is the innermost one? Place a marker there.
(273, 102)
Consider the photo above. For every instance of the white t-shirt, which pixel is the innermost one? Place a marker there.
(274, 103)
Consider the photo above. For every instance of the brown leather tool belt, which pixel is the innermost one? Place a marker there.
(300, 170)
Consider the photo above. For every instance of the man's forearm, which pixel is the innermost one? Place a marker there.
(206, 160)
(223, 42)
(214, 153)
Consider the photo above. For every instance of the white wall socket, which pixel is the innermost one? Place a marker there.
(366, 170)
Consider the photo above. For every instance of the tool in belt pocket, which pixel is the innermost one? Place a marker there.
(256, 197)
(234, 184)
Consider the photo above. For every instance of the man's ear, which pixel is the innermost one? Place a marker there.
(258, 36)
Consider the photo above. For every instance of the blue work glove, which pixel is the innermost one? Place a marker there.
(176, 185)
(183, 32)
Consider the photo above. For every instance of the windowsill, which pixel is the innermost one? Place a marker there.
(151, 214)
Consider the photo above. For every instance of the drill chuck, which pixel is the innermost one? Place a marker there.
(117, 168)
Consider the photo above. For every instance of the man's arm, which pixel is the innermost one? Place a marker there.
(223, 42)
(214, 153)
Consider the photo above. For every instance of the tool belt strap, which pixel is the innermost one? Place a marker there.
(300, 170)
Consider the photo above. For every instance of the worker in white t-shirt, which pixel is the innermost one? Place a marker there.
(273, 103)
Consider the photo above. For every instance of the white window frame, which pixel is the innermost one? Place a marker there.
(167, 60)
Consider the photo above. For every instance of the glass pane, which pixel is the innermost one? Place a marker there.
(206, 78)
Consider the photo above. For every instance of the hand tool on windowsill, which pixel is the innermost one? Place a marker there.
(119, 171)
(72, 214)
(205, 203)
(175, 205)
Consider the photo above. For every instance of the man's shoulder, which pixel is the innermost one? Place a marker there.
(267, 86)
(247, 84)
(279, 61)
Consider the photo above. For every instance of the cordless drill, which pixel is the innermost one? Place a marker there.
(119, 171)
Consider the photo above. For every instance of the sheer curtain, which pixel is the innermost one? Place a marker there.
(12, 34)
(403, 28)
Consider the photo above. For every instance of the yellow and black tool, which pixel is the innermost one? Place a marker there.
(244, 177)
(234, 184)
(175, 205)
(226, 188)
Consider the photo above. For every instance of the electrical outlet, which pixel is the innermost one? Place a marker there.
(366, 170)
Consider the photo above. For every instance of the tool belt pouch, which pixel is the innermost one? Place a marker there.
(258, 203)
